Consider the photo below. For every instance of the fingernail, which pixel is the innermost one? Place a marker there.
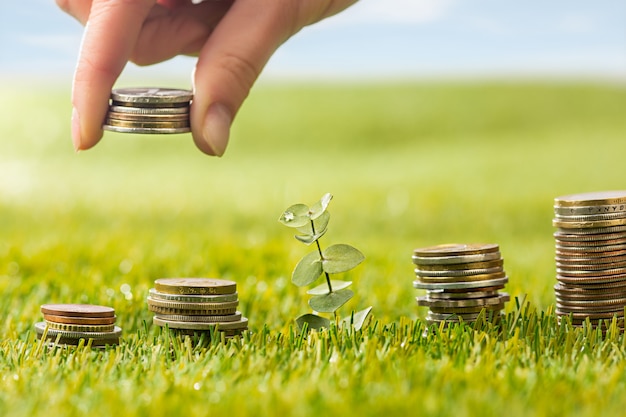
(216, 130)
(76, 129)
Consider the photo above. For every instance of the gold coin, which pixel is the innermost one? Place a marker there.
(191, 306)
(474, 302)
(183, 312)
(80, 328)
(451, 249)
(465, 266)
(464, 278)
(234, 325)
(195, 286)
(142, 124)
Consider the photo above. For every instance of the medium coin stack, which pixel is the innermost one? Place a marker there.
(195, 305)
(460, 280)
(68, 324)
(591, 257)
(149, 110)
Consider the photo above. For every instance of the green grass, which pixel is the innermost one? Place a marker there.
(410, 165)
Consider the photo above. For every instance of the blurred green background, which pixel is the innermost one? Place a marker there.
(410, 164)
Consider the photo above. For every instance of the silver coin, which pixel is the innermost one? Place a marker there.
(591, 303)
(589, 210)
(187, 298)
(234, 325)
(200, 319)
(603, 272)
(589, 265)
(599, 230)
(598, 237)
(446, 295)
(473, 302)
(591, 217)
(149, 110)
(40, 328)
(590, 249)
(460, 285)
(151, 96)
(459, 259)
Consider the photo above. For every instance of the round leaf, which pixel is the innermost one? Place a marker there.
(328, 303)
(341, 258)
(323, 288)
(308, 239)
(295, 216)
(307, 270)
(321, 223)
(320, 207)
(358, 319)
(313, 321)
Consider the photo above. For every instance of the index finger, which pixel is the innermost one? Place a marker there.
(108, 41)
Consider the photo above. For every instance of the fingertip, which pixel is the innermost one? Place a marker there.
(214, 134)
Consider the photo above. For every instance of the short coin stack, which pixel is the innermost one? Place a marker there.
(149, 110)
(195, 305)
(67, 324)
(461, 280)
(591, 256)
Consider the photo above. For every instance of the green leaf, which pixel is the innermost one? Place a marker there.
(308, 239)
(341, 258)
(314, 322)
(321, 223)
(307, 270)
(323, 288)
(320, 207)
(296, 216)
(328, 303)
(357, 319)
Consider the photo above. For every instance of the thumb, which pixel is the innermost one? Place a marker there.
(229, 64)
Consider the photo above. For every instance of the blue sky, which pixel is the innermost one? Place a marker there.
(380, 39)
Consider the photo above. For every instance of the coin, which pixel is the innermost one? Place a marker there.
(148, 117)
(235, 325)
(464, 278)
(201, 319)
(174, 305)
(192, 298)
(186, 312)
(152, 96)
(459, 285)
(51, 334)
(474, 302)
(592, 217)
(195, 286)
(459, 259)
(462, 266)
(77, 310)
(446, 295)
(80, 328)
(588, 224)
(147, 124)
(457, 273)
(149, 110)
(589, 210)
(90, 321)
(594, 198)
(456, 249)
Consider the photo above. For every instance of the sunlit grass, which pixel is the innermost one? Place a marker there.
(409, 165)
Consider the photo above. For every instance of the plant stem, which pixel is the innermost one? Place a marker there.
(319, 249)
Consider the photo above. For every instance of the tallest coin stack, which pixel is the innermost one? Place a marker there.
(591, 256)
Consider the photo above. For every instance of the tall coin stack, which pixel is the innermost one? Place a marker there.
(68, 324)
(195, 305)
(149, 110)
(460, 280)
(591, 256)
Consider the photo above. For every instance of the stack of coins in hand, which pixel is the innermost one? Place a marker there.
(149, 110)
(195, 305)
(461, 280)
(67, 324)
(591, 256)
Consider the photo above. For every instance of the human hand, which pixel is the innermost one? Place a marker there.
(233, 40)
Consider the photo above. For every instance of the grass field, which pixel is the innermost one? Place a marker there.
(409, 165)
